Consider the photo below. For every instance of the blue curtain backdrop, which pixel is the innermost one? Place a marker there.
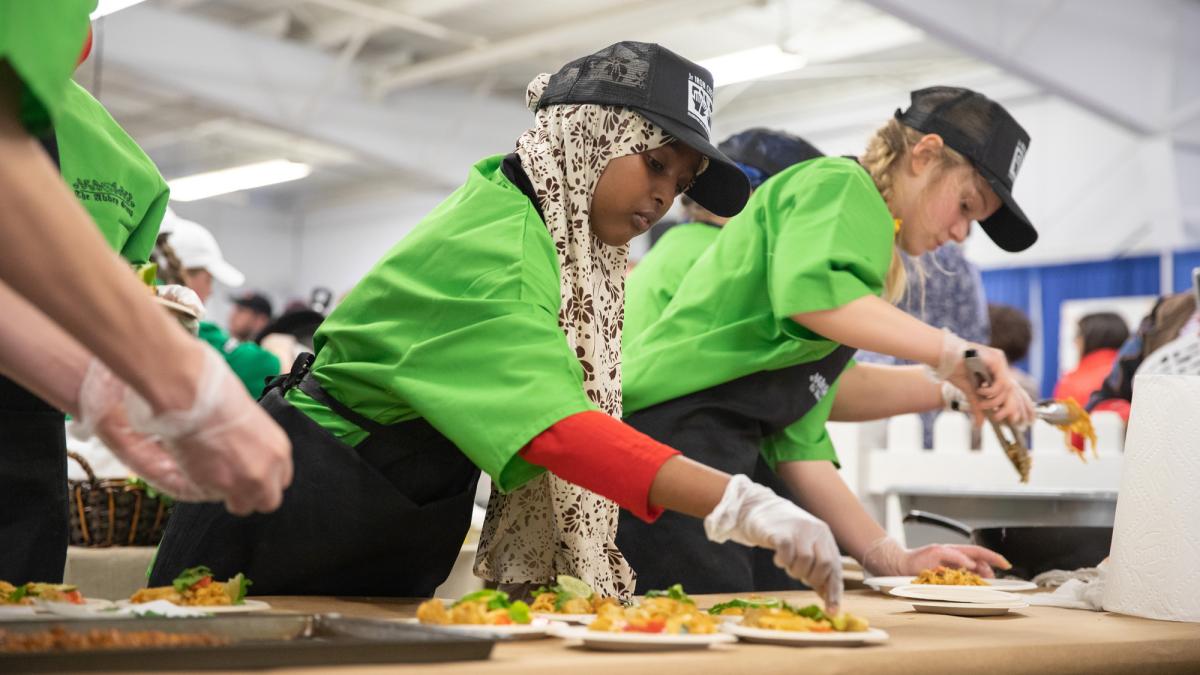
(1059, 283)
(1182, 264)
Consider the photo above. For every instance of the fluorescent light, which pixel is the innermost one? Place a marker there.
(752, 64)
(249, 176)
(106, 7)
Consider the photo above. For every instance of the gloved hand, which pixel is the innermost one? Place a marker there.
(1026, 411)
(102, 412)
(886, 557)
(224, 442)
(185, 297)
(753, 515)
(1003, 399)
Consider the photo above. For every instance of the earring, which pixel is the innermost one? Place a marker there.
(896, 222)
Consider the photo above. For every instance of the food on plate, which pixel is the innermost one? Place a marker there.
(669, 612)
(487, 607)
(739, 606)
(948, 576)
(569, 596)
(810, 619)
(25, 594)
(60, 639)
(195, 587)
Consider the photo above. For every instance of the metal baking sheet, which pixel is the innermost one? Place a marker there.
(264, 641)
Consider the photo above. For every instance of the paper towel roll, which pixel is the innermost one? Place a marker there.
(1155, 562)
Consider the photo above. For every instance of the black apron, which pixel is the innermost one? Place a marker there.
(386, 518)
(723, 427)
(34, 523)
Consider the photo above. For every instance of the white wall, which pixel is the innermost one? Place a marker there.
(337, 244)
(257, 239)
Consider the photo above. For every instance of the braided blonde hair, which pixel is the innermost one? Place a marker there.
(883, 158)
(170, 268)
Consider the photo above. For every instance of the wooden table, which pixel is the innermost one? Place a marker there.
(1032, 640)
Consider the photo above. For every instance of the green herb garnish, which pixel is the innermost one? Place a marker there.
(675, 592)
(762, 603)
(190, 577)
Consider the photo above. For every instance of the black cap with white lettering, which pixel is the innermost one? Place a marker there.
(984, 132)
(670, 91)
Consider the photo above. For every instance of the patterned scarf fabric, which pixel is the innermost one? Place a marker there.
(550, 526)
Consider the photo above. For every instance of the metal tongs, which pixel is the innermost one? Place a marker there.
(1010, 437)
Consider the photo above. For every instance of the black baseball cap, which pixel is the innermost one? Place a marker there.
(984, 132)
(761, 153)
(255, 302)
(670, 91)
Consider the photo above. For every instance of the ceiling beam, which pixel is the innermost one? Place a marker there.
(590, 31)
(438, 132)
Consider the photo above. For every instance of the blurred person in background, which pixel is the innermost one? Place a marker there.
(251, 313)
(1173, 316)
(196, 259)
(1012, 334)
(1097, 339)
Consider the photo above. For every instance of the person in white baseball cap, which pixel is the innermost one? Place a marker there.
(197, 253)
(200, 255)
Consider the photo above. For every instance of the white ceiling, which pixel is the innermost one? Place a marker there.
(398, 94)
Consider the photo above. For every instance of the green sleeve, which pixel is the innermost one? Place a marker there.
(141, 240)
(806, 440)
(41, 41)
(831, 242)
(493, 385)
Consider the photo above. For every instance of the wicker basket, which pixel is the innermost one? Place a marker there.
(114, 512)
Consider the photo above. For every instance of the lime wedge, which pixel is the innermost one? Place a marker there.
(574, 587)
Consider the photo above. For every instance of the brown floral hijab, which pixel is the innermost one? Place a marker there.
(549, 526)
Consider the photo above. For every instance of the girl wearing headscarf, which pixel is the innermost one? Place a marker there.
(489, 338)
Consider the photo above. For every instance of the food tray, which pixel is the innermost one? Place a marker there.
(256, 642)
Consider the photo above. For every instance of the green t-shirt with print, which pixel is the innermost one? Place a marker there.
(112, 177)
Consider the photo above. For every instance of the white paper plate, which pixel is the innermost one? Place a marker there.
(965, 594)
(967, 609)
(247, 606)
(641, 642)
(536, 629)
(17, 612)
(582, 619)
(91, 607)
(871, 636)
(885, 584)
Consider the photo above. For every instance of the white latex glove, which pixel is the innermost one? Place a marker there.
(886, 557)
(225, 443)
(102, 413)
(1001, 399)
(1026, 411)
(753, 515)
(186, 297)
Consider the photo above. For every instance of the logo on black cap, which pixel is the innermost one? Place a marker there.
(1015, 165)
(700, 101)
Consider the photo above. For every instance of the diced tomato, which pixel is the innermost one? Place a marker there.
(822, 629)
(503, 620)
(202, 583)
(74, 596)
(655, 626)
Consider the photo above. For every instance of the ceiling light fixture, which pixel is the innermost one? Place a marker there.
(752, 64)
(106, 7)
(236, 179)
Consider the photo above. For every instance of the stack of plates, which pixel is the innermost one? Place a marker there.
(959, 600)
